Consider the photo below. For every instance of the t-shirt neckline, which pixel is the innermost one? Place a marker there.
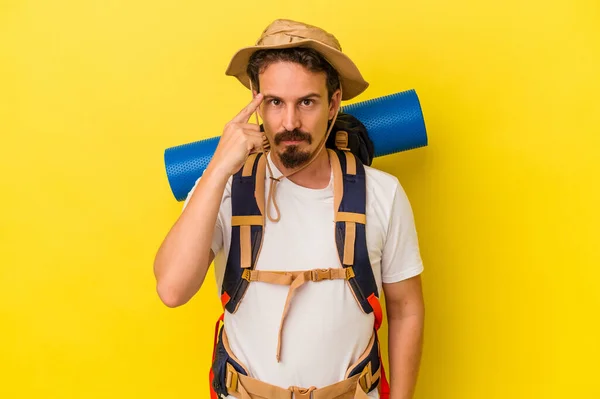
(286, 184)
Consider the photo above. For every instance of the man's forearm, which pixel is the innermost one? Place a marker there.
(405, 347)
(183, 258)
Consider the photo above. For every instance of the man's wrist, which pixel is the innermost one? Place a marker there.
(216, 173)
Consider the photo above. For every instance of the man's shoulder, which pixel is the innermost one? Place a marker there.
(379, 175)
(380, 182)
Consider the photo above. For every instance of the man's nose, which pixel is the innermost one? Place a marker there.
(291, 118)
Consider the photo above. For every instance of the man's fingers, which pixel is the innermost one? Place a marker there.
(245, 114)
(254, 143)
(253, 127)
(252, 133)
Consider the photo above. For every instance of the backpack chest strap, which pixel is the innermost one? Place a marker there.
(295, 280)
(287, 278)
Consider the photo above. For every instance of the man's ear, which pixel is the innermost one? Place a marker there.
(335, 103)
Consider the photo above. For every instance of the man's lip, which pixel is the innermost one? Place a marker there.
(292, 141)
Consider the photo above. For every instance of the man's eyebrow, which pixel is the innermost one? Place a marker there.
(306, 97)
(270, 96)
(311, 95)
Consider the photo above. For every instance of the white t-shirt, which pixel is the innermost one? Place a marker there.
(325, 331)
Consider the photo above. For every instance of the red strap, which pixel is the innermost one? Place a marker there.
(225, 298)
(211, 377)
(374, 302)
(384, 387)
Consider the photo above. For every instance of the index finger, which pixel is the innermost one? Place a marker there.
(245, 114)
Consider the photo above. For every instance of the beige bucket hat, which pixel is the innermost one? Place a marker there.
(285, 33)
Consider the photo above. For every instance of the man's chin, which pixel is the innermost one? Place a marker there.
(291, 157)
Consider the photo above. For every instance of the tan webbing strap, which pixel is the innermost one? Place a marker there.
(245, 247)
(246, 223)
(350, 163)
(264, 276)
(349, 243)
(259, 185)
(286, 278)
(249, 165)
(246, 220)
(359, 393)
(351, 217)
(244, 387)
(338, 182)
(302, 393)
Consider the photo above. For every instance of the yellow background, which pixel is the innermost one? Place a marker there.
(505, 196)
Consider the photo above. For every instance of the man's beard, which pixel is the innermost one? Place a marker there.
(292, 157)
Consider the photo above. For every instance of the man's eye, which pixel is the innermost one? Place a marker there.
(307, 103)
(275, 102)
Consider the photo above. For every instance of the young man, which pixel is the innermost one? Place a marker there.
(299, 320)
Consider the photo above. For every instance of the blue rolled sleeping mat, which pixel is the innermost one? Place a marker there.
(394, 124)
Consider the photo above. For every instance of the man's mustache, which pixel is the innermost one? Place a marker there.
(292, 135)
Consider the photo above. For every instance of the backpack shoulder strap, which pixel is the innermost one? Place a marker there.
(350, 198)
(247, 224)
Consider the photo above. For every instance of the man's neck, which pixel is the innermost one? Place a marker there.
(317, 175)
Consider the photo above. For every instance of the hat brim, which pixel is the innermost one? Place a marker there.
(351, 79)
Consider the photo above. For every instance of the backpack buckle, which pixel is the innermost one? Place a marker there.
(366, 378)
(341, 140)
(302, 393)
(320, 274)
